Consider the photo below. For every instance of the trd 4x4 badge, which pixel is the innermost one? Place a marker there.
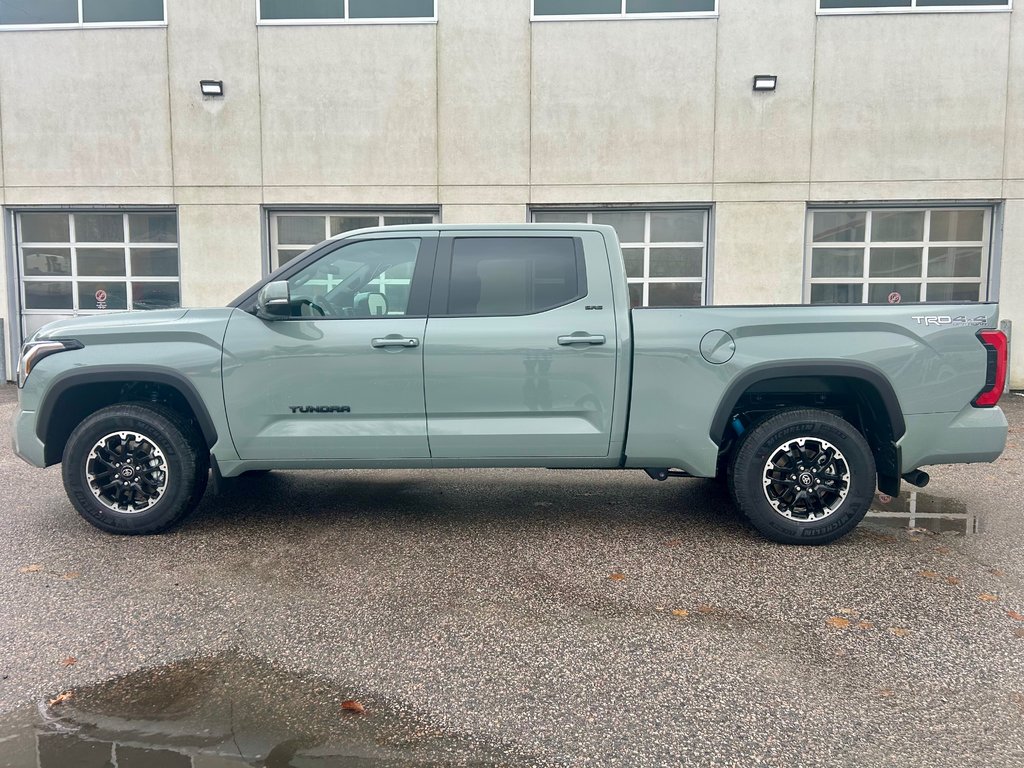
(320, 409)
(959, 320)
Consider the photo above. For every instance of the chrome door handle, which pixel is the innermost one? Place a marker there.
(394, 341)
(581, 338)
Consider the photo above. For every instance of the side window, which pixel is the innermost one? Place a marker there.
(515, 275)
(368, 278)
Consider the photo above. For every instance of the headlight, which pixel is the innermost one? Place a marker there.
(34, 351)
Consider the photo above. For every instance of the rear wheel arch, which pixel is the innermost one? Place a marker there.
(76, 395)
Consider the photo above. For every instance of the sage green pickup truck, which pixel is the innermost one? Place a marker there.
(508, 346)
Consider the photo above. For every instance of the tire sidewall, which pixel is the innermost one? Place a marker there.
(163, 434)
(750, 486)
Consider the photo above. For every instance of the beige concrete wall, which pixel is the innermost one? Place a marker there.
(1011, 296)
(474, 214)
(220, 250)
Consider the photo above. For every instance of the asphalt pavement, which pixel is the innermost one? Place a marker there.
(514, 617)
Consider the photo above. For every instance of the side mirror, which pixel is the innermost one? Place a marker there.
(274, 301)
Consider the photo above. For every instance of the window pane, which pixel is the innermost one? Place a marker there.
(571, 7)
(153, 227)
(38, 11)
(102, 295)
(897, 226)
(674, 295)
(101, 262)
(828, 4)
(395, 221)
(560, 217)
(341, 224)
(840, 226)
(43, 262)
(677, 226)
(669, 6)
(390, 9)
(951, 226)
(99, 228)
(941, 3)
(123, 10)
(893, 293)
(947, 292)
(48, 296)
(837, 262)
(301, 230)
(634, 258)
(302, 9)
(155, 262)
(284, 255)
(347, 282)
(895, 262)
(155, 296)
(954, 262)
(512, 276)
(636, 294)
(629, 225)
(843, 293)
(45, 228)
(677, 262)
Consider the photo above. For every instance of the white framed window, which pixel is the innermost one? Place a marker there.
(665, 250)
(95, 261)
(898, 255)
(70, 14)
(555, 10)
(911, 6)
(346, 11)
(294, 232)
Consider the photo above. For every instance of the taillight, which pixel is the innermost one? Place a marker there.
(995, 374)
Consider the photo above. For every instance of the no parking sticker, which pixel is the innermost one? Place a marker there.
(895, 298)
(101, 299)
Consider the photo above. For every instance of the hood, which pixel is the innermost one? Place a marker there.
(111, 321)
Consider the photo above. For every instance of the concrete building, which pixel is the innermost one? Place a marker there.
(886, 164)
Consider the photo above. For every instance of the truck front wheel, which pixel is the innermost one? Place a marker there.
(803, 477)
(135, 468)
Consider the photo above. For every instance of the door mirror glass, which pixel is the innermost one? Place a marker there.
(274, 301)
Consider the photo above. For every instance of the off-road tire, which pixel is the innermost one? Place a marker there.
(180, 445)
(749, 467)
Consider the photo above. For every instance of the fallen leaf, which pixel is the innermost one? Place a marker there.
(70, 576)
(927, 574)
(864, 624)
(61, 698)
(34, 568)
(899, 631)
(617, 576)
(1015, 616)
(838, 622)
(69, 661)
(885, 692)
(953, 580)
(996, 572)
(1019, 632)
(988, 597)
(705, 608)
(351, 705)
(680, 612)
(943, 550)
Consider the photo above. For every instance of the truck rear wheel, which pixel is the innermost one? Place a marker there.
(803, 477)
(135, 468)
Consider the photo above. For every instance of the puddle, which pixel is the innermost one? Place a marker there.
(223, 711)
(922, 510)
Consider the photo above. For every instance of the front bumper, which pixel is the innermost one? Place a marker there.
(27, 445)
(971, 436)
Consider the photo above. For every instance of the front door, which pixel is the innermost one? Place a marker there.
(521, 347)
(342, 378)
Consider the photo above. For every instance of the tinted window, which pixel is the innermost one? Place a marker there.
(122, 10)
(39, 12)
(514, 275)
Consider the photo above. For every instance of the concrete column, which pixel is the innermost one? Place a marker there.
(484, 214)
(1011, 289)
(220, 251)
(759, 253)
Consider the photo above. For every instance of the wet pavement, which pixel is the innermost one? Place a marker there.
(512, 618)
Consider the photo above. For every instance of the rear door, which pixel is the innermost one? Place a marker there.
(521, 350)
(344, 378)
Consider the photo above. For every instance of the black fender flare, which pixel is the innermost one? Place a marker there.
(109, 374)
(831, 368)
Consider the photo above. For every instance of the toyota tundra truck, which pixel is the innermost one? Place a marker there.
(508, 346)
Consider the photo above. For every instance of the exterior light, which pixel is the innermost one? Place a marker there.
(765, 82)
(212, 87)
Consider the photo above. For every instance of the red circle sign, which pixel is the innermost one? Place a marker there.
(101, 295)
(895, 298)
